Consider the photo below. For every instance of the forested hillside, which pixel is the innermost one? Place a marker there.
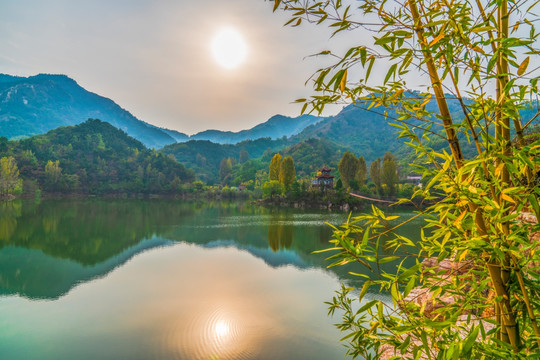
(95, 158)
(204, 157)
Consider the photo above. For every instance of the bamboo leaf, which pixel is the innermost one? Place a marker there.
(367, 306)
(343, 82)
(388, 259)
(364, 290)
(370, 66)
(470, 340)
(508, 198)
(437, 39)
(523, 67)
(390, 72)
(479, 50)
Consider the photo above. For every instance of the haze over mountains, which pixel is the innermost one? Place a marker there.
(276, 127)
(36, 104)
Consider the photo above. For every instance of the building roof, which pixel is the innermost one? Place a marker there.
(324, 168)
(325, 176)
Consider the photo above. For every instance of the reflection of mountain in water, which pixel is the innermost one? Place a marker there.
(270, 257)
(33, 274)
(48, 248)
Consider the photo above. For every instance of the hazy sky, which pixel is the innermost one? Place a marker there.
(153, 57)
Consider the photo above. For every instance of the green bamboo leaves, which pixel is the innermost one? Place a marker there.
(473, 60)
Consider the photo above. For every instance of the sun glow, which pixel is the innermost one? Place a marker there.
(222, 329)
(229, 48)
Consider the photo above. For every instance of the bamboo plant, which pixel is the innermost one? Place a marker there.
(478, 67)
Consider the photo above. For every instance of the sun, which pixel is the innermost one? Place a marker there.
(229, 48)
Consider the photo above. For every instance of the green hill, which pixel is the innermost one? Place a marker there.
(204, 157)
(312, 154)
(96, 158)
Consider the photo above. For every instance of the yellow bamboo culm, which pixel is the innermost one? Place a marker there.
(504, 313)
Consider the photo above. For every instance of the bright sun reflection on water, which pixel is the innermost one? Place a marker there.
(221, 329)
(219, 332)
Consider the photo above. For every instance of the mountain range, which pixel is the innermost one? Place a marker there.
(36, 104)
(275, 127)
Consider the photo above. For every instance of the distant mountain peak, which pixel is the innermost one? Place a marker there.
(276, 127)
(36, 104)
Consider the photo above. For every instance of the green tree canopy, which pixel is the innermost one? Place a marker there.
(348, 168)
(9, 175)
(361, 174)
(287, 173)
(243, 157)
(271, 188)
(389, 173)
(225, 169)
(375, 172)
(53, 173)
(275, 167)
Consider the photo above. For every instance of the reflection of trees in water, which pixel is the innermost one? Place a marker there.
(9, 212)
(280, 231)
(88, 232)
(325, 234)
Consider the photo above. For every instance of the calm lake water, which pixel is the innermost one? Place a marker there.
(131, 279)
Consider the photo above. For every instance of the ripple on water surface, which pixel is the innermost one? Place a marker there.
(218, 334)
(281, 219)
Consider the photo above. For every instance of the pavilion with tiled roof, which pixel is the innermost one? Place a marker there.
(324, 178)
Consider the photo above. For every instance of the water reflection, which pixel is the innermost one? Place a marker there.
(280, 231)
(180, 302)
(227, 286)
(48, 248)
(220, 334)
(88, 232)
(9, 212)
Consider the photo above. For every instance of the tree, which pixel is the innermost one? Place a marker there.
(225, 169)
(200, 160)
(275, 167)
(53, 173)
(361, 174)
(271, 188)
(243, 157)
(464, 48)
(375, 173)
(287, 173)
(339, 184)
(389, 173)
(348, 168)
(9, 176)
(3, 144)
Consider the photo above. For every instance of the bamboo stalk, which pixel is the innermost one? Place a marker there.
(508, 324)
(527, 302)
(451, 136)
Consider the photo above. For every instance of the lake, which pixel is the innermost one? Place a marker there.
(162, 279)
